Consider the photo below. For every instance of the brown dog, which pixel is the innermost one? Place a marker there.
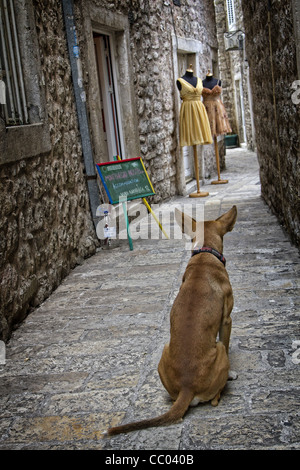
(194, 366)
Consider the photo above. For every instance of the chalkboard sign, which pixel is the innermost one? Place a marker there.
(125, 178)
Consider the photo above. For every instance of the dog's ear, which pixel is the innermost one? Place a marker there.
(226, 221)
(186, 223)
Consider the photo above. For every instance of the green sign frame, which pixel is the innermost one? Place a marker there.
(125, 179)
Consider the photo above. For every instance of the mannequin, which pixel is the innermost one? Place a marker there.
(217, 114)
(210, 82)
(188, 77)
(194, 124)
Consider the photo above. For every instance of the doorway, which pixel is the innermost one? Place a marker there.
(109, 100)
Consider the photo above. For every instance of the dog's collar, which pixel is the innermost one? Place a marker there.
(206, 249)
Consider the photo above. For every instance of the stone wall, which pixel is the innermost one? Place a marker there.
(234, 72)
(154, 91)
(45, 218)
(225, 64)
(271, 52)
(240, 68)
(193, 20)
(46, 228)
(152, 26)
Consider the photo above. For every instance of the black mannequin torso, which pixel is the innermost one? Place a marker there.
(210, 82)
(188, 77)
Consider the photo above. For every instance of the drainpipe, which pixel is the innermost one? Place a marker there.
(80, 98)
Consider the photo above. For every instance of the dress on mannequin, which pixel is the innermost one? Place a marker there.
(217, 115)
(194, 124)
(215, 109)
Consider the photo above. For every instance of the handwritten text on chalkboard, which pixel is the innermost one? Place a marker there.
(125, 178)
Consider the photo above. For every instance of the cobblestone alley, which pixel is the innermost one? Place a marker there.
(87, 357)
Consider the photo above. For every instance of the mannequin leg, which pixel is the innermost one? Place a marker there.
(198, 193)
(219, 181)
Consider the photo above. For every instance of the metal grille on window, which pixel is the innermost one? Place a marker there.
(13, 107)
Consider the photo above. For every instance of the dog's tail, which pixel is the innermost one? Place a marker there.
(172, 416)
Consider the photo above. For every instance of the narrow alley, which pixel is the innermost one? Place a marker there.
(87, 357)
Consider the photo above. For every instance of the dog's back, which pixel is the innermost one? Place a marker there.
(194, 366)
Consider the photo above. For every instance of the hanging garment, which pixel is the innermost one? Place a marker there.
(216, 111)
(194, 123)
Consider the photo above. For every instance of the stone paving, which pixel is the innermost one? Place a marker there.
(87, 357)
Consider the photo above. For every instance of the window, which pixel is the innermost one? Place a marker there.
(230, 14)
(24, 130)
(12, 92)
(108, 95)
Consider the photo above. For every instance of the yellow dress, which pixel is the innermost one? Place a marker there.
(194, 123)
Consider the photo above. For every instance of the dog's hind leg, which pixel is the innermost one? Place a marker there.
(225, 331)
(165, 374)
(225, 327)
(219, 374)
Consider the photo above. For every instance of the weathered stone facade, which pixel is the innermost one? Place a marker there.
(150, 35)
(225, 64)
(46, 228)
(46, 221)
(271, 48)
(234, 73)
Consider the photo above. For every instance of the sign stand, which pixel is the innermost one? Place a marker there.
(151, 212)
(125, 180)
(123, 200)
(155, 218)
